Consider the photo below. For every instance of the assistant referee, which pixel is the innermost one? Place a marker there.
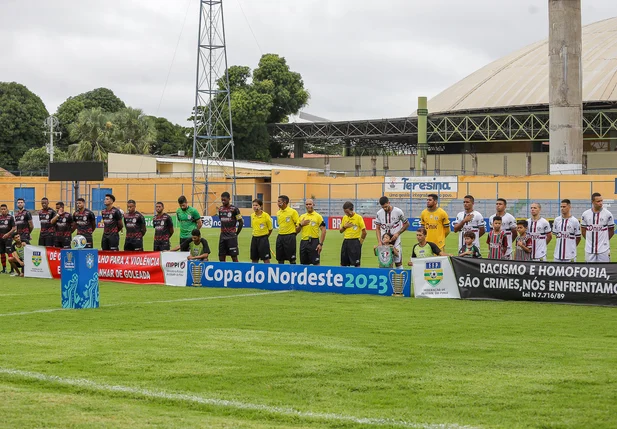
(313, 229)
(354, 233)
(286, 241)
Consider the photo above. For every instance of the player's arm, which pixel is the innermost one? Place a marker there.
(299, 224)
(378, 233)
(144, 229)
(183, 246)
(549, 237)
(362, 226)
(405, 226)
(170, 226)
(436, 250)
(394, 250)
(269, 225)
(463, 251)
(584, 230)
(461, 223)
(446, 225)
(30, 223)
(119, 220)
(342, 228)
(481, 227)
(322, 236)
(92, 221)
(198, 222)
(54, 219)
(526, 246)
(611, 227)
(514, 232)
(17, 258)
(240, 220)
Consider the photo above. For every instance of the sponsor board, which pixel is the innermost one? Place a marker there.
(174, 266)
(418, 187)
(434, 278)
(371, 281)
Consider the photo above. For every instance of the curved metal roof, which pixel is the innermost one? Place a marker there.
(521, 78)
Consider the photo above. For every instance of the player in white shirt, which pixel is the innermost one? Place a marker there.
(598, 227)
(540, 232)
(469, 220)
(391, 219)
(567, 231)
(508, 224)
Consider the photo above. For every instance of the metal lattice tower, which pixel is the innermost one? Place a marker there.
(213, 145)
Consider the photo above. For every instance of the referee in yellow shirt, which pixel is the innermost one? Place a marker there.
(261, 222)
(354, 233)
(286, 241)
(436, 221)
(313, 229)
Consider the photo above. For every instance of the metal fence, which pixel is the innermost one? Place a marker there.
(328, 197)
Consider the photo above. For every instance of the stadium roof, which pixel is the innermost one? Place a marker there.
(521, 78)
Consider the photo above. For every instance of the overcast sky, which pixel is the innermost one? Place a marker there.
(359, 58)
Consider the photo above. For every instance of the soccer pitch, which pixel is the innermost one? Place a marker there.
(159, 356)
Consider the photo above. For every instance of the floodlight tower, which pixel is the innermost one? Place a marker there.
(213, 144)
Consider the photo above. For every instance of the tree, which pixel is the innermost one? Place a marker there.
(97, 133)
(35, 161)
(170, 138)
(22, 116)
(274, 93)
(102, 98)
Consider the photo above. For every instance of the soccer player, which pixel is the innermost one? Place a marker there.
(391, 219)
(354, 233)
(497, 240)
(540, 232)
(84, 222)
(112, 224)
(135, 225)
(469, 220)
(197, 247)
(63, 222)
(23, 221)
(46, 214)
(524, 243)
(598, 227)
(508, 224)
(7, 228)
(567, 231)
(188, 218)
(231, 226)
(17, 258)
(261, 223)
(286, 241)
(423, 248)
(163, 228)
(313, 229)
(436, 222)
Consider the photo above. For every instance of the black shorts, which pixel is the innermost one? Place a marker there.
(133, 244)
(46, 240)
(228, 246)
(62, 242)
(351, 252)
(25, 238)
(90, 243)
(308, 252)
(6, 246)
(161, 246)
(110, 242)
(286, 248)
(260, 248)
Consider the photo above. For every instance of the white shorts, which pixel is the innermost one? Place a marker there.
(565, 261)
(398, 259)
(598, 257)
(542, 259)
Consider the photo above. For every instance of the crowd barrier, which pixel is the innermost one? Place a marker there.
(438, 277)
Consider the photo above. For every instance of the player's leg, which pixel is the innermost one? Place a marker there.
(305, 252)
(66, 244)
(129, 245)
(344, 254)
(590, 257)
(3, 254)
(314, 256)
(105, 242)
(291, 247)
(114, 242)
(254, 250)
(355, 253)
(138, 244)
(89, 241)
(222, 249)
(42, 240)
(232, 248)
(280, 250)
(398, 260)
(604, 257)
(264, 249)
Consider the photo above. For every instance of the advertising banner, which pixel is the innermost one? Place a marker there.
(79, 278)
(434, 278)
(536, 281)
(334, 222)
(36, 262)
(419, 187)
(371, 281)
(174, 267)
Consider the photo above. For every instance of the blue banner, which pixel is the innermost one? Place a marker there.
(79, 277)
(367, 281)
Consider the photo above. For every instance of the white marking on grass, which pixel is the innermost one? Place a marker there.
(214, 402)
(205, 298)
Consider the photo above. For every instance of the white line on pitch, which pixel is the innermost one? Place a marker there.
(205, 298)
(183, 397)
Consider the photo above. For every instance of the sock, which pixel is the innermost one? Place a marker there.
(3, 257)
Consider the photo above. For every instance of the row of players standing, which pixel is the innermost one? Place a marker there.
(525, 239)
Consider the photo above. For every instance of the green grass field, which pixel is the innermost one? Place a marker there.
(159, 356)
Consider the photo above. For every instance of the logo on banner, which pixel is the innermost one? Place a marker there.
(196, 273)
(397, 281)
(69, 263)
(206, 221)
(37, 258)
(89, 261)
(433, 273)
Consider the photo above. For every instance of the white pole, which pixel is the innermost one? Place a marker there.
(51, 139)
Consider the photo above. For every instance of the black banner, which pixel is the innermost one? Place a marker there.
(536, 281)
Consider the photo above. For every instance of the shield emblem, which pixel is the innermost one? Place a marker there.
(433, 273)
(36, 258)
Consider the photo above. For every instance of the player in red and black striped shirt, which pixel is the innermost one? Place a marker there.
(7, 227)
(112, 224)
(163, 228)
(23, 221)
(497, 240)
(135, 225)
(63, 222)
(48, 231)
(84, 221)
